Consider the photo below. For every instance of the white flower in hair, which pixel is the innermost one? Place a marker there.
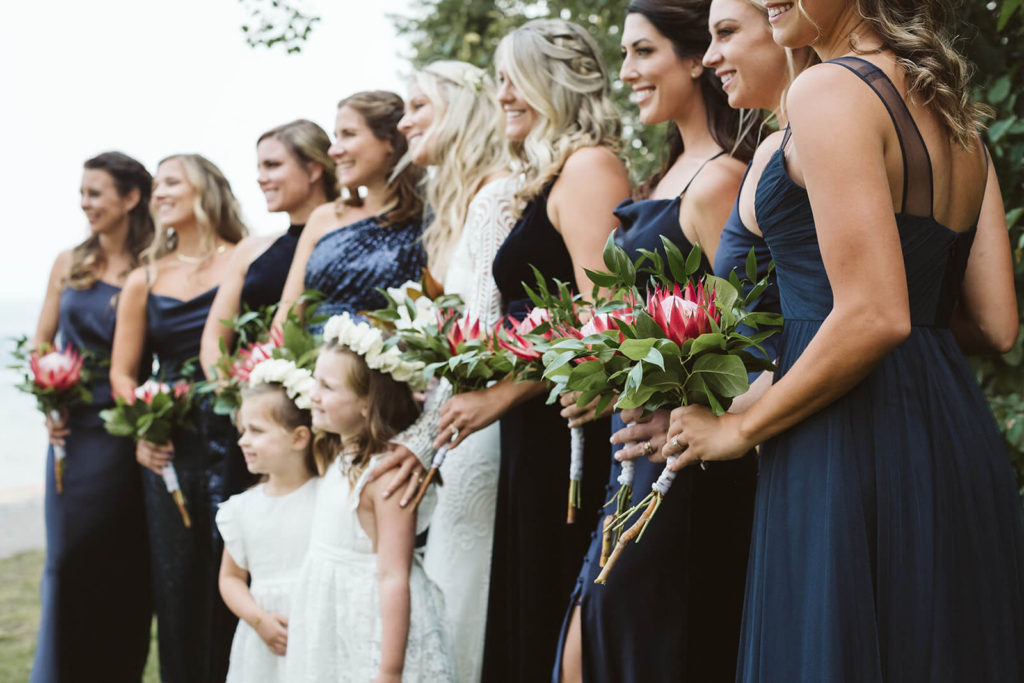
(367, 341)
(298, 382)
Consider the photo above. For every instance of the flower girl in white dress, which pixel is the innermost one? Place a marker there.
(266, 529)
(363, 608)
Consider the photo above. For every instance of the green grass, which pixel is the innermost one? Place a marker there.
(19, 618)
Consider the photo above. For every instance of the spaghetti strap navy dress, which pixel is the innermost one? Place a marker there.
(96, 601)
(349, 263)
(888, 540)
(670, 611)
(536, 554)
(262, 286)
(185, 560)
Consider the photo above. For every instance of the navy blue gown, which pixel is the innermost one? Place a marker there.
(96, 602)
(264, 281)
(888, 540)
(349, 263)
(536, 555)
(670, 610)
(190, 612)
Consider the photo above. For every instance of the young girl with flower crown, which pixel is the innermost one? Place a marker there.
(363, 608)
(266, 529)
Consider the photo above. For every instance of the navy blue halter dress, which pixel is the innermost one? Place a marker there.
(536, 554)
(185, 560)
(888, 540)
(262, 286)
(349, 263)
(96, 602)
(670, 610)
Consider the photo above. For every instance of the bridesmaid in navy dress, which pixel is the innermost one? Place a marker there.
(371, 238)
(572, 182)
(296, 176)
(888, 539)
(613, 632)
(96, 607)
(163, 309)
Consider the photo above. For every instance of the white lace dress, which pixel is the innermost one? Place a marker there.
(458, 554)
(268, 537)
(334, 633)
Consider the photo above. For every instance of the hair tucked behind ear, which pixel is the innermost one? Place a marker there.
(308, 143)
(937, 75)
(87, 259)
(555, 65)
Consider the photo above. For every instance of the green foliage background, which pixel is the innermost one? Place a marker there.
(991, 34)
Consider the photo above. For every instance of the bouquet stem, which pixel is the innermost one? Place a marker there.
(59, 453)
(575, 472)
(650, 503)
(435, 465)
(171, 481)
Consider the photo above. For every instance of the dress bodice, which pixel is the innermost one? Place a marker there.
(533, 241)
(644, 222)
(349, 263)
(174, 328)
(934, 256)
(264, 280)
(86, 321)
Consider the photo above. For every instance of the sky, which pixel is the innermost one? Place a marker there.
(153, 79)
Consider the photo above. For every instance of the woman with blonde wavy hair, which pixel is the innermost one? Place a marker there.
(96, 601)
(162, 311)
(451, 123)
(563, 133)
(888, 539)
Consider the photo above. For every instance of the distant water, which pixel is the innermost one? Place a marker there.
(23, 455)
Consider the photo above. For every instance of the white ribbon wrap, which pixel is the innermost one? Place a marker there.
(170, 478)
(576, 454)
(59, 452)
(439, 457)
(628, 466)
(666, 478)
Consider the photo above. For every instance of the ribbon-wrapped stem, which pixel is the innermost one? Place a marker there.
(575, 473)
(435, 466)
(170, 476)
(59, 454)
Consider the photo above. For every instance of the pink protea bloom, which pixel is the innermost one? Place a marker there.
(58, 370)
(601, 322)
(682, 314)
(181, 388)
(464, 329)
(252, 355)
(508, 336)
(147, 391)
(537, 317)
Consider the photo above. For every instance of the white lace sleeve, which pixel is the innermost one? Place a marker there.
(419, 437)
(490, 219)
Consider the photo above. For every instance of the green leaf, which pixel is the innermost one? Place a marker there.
(999, 128)
(1001, 88)
(725, 375)
(636, 349)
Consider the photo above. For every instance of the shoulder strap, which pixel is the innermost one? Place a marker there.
(917, 165)
(697, 172)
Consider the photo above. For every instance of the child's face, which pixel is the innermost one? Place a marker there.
(266, 444)
(336, 407)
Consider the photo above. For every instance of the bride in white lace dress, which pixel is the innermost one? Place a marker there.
(450, 123)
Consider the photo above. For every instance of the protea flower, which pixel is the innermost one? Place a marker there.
(511, 338)
(149, 389)
(464, 329)
(56, 370)
(255, 353)
(537, 317)
(682, 315)
(601, 322)
(181, 388)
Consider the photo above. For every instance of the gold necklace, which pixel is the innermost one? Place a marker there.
(198, 259)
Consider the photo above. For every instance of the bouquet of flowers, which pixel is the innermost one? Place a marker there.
(449, 344)
(156, 409)
(57, 379)
(684, 346)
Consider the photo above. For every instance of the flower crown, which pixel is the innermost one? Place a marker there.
(367, 341)
(297, 382)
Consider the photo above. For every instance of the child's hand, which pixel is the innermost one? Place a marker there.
(273, 629)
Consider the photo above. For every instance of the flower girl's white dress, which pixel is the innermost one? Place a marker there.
(335, 630)
(267, 536)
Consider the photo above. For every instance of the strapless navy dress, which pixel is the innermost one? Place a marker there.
(193, 643)
(96, 601)
(670, 610)
(536, 554)
(349, 263)
(888, 540)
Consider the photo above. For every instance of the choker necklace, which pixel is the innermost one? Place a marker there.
(197, 259)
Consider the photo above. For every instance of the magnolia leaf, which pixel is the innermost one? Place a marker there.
(725, 294)
(693, 261)
(646, 328)
(636, 349)
(723, 374)
(707, 341)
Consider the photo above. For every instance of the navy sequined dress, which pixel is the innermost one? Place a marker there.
(349, 263)
(536, 555)
(888, 540)
(96, 601)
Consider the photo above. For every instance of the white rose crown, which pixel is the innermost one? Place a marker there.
(367, 341)
(297, 382)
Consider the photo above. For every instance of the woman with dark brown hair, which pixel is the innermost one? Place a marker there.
(95, 588)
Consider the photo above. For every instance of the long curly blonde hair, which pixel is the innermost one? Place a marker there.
(938, 77)
(557, 68)
(215, 207)
(465, 149)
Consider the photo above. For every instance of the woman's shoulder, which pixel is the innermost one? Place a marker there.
(590, 160)
(251, 248)
(718, 180)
